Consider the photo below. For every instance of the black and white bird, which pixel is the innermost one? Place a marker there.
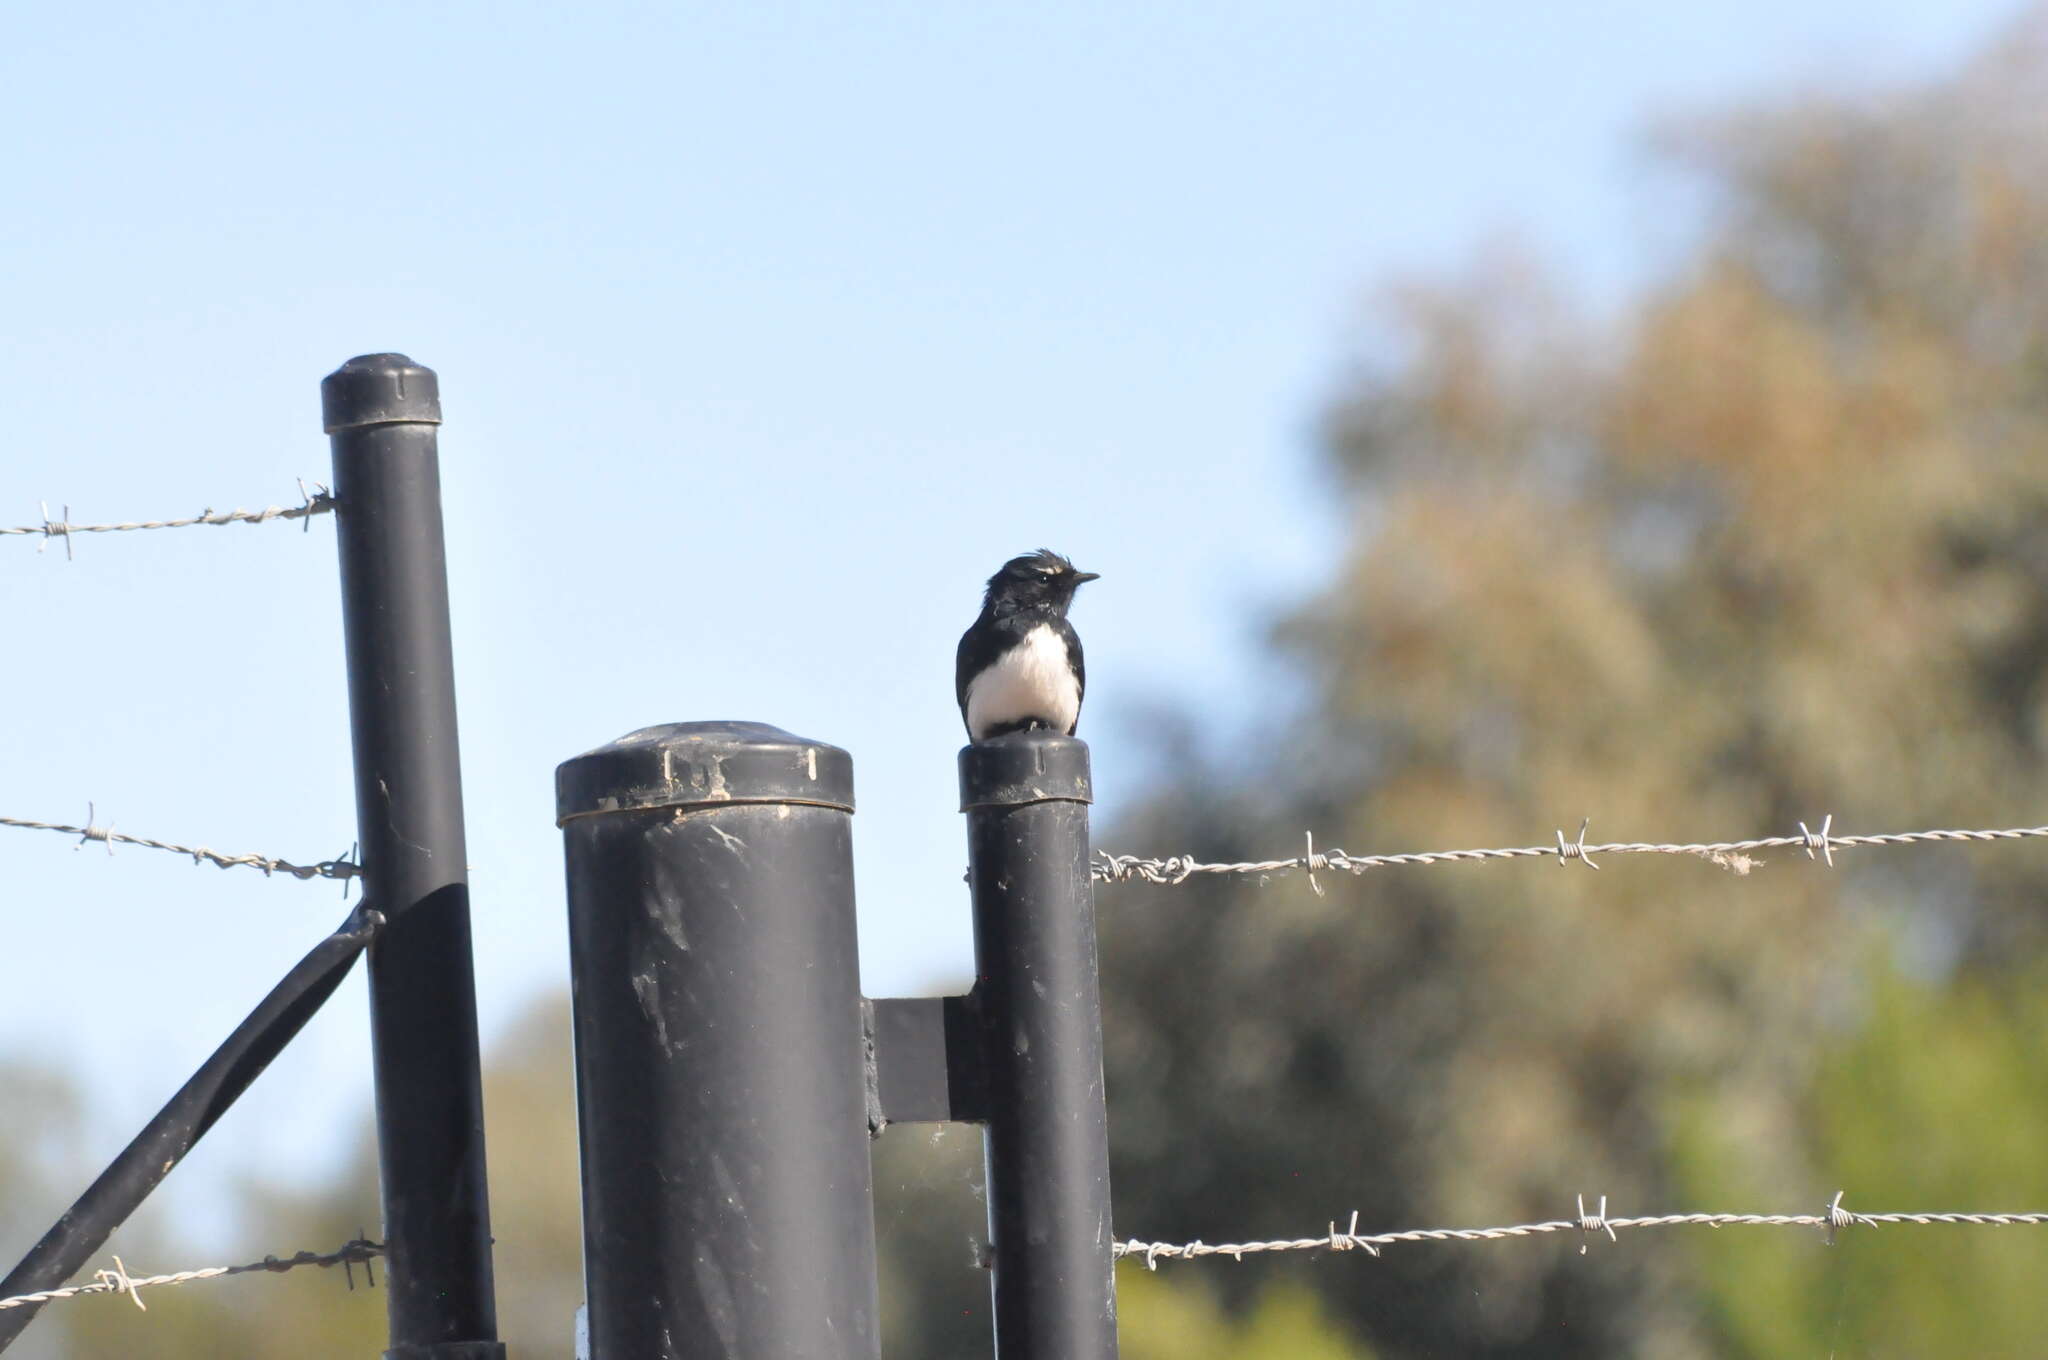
(1019, 667)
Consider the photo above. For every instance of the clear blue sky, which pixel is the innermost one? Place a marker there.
(765, 332)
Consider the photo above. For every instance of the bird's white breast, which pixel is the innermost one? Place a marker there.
(1031, 680)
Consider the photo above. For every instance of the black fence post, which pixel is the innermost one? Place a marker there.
(1026, 797)
(382, 411)
(721, 1096)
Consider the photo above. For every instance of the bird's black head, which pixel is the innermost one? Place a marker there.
(1042, 580)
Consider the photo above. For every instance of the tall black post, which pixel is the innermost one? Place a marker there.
(383, 411)
(720, 1088)
(1026, 797)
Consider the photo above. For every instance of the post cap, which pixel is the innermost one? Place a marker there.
(1024, 767)
(703, 764)
(379, 389)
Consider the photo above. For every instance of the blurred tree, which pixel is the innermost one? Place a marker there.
(39, 1126)
(1775, 546)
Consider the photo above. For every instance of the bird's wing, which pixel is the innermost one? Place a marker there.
(964, 668)
(1073, 641)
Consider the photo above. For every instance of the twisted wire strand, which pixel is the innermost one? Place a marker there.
(1830, 1220)
(337, 868)
(1736, 856)
(317, 501)
(360, 1252)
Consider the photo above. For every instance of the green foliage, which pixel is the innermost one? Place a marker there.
(1938, 1099)
(1174, 1317)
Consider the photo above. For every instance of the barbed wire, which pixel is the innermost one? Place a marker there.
(1735, 856)
(361, 1252)
(318, 501)
(1830, 1220)
(1104, 867)
(340, 868)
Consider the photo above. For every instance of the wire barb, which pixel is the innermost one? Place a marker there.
(1837, 1217)
(1735, 856)
(1312, 861)
(1818, 840)
(343, 869)
(1595, 1222)
(348, 1264)
(93, 831)
(1576, 847)
(120, 1282)
(1349, 1239)
(50, 529)
(317, 501)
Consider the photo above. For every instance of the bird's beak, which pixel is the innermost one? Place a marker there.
(1082, 578)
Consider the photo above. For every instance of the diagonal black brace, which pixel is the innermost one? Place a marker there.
(924, 1061)
(122, 1187)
